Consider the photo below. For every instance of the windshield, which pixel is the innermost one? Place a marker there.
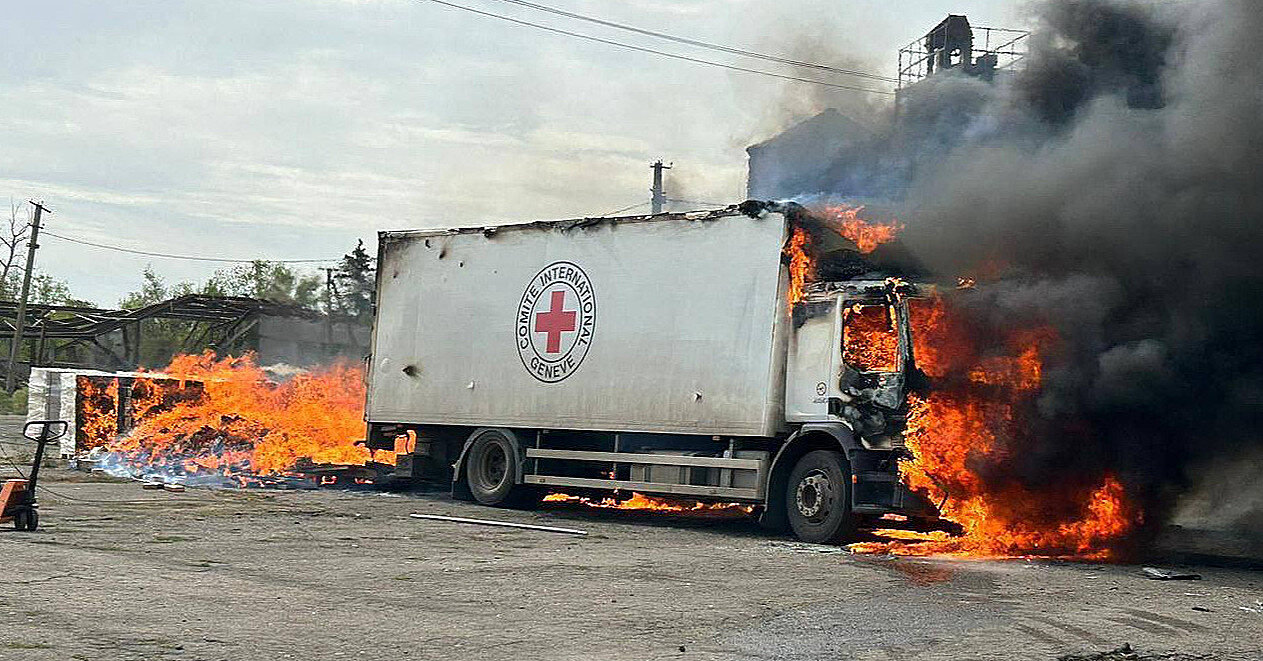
(870, 339)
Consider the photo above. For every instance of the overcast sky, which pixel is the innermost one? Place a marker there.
(287, 129)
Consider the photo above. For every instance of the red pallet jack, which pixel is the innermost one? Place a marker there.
(17, 498)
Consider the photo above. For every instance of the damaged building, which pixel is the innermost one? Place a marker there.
(848, 157)
(84, 338)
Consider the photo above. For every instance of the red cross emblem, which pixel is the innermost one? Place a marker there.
(555, 321)
(557, 301)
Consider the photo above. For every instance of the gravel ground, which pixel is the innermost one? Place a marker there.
(122, 573)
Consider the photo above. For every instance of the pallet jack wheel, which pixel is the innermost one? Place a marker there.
(32, 520)
(19, 519)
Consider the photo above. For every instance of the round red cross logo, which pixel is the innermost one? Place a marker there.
(555, 321)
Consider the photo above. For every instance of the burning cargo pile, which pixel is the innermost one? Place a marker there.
(221, 422)
(99, 405)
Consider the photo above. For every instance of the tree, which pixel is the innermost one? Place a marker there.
(271, 281)
(12, 241)
(356, 284)
(160, 339)
(45, 289)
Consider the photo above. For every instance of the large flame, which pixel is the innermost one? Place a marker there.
(976, 398)
(845, 220)
(802, 265)
(225, 416)
(976, 412)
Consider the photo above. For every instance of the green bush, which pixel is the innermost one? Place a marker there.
(14, 404)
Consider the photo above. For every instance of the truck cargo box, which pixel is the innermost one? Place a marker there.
(666, 323)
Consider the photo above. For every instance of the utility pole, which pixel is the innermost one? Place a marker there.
(329, 291)
(658, 196)
(329, 287)
(19, 324)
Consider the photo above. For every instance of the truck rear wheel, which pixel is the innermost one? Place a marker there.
(818, 498)
(491, 469)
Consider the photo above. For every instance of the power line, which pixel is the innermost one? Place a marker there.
(703, 44)
(643, 49)
(188, 257)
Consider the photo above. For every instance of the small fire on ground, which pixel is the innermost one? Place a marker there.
(640, 501)
(225, 421)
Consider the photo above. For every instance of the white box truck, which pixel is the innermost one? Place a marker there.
(653, 354)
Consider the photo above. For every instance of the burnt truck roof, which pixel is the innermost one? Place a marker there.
(839, 260)
(745, 208)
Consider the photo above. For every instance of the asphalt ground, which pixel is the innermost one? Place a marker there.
(117, 572)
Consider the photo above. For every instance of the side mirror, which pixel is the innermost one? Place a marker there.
(47, 430)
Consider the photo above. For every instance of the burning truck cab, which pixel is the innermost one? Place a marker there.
(853, 339)
(752, 354)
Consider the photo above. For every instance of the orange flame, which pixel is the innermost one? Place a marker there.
(236, 421)
(642, 502)
(977, 398)
(869, 340)
(867, 236)
(97, 411)
(802, 265)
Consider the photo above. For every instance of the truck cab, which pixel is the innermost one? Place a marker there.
(850, 361)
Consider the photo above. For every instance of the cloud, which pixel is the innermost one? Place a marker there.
(290, 129)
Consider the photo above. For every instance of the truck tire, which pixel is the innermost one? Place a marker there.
(818, 498)
(491, 469)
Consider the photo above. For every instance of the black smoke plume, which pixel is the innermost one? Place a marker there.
(1115, 186)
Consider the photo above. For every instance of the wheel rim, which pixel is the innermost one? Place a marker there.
(814, 496)
(493, 466)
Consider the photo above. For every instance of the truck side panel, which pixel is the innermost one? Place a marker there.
(674, 318)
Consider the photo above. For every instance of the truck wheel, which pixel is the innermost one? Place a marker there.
(818, 498)
(491, 469)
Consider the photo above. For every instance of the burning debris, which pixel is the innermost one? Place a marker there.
(224, 422)
(642, 502)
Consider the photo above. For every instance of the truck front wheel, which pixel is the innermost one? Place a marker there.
(818, 498)
(491, 469)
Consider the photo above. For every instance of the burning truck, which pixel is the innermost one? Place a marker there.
(689, 355)
(759, 357)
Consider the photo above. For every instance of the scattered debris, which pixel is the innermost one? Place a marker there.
(1126, 653)
(803, 547)
(1203, 609)
(503, 524)
(1169, 574)
(1258, 607)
